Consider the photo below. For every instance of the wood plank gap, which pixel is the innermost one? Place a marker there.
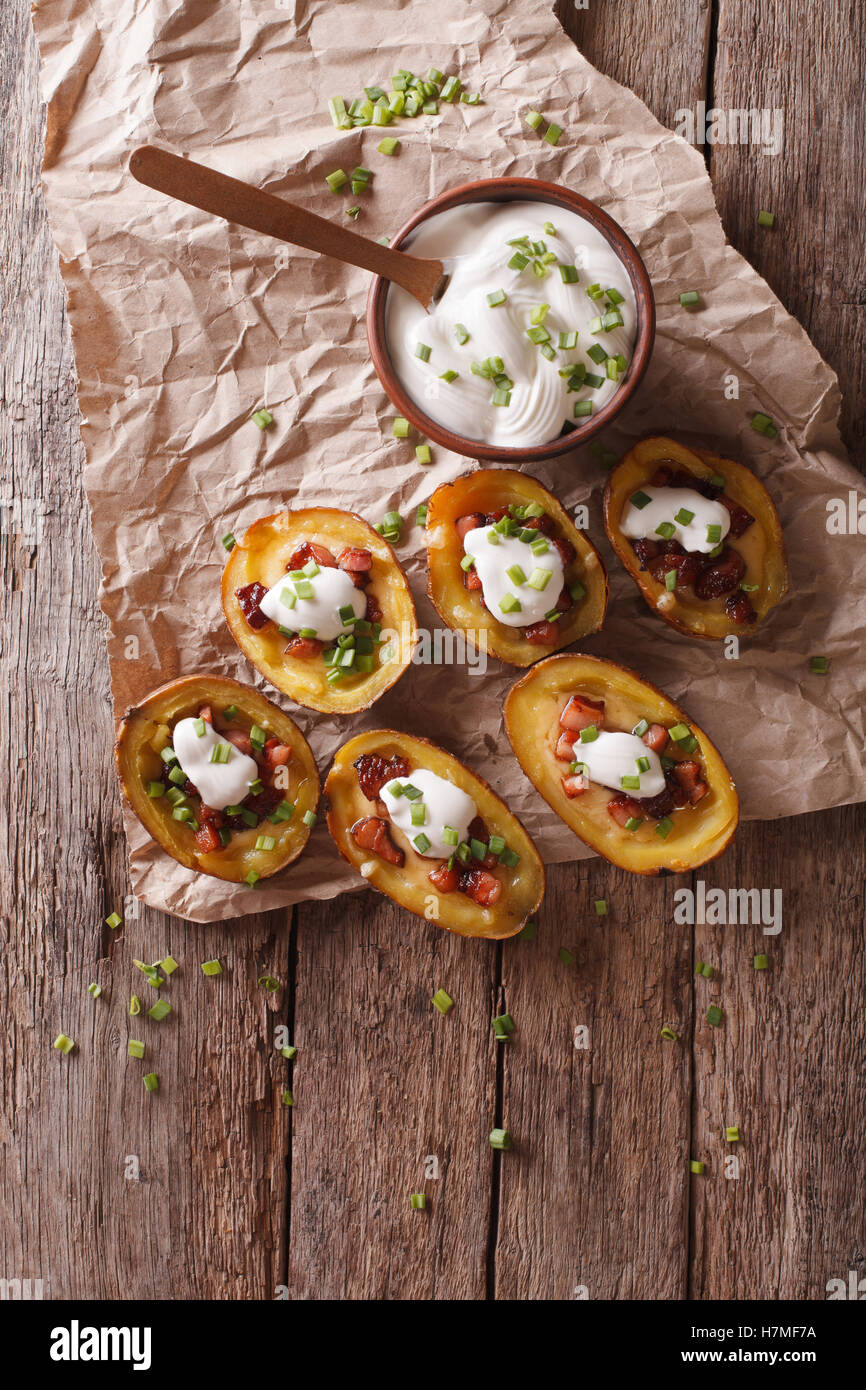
(499, 1111)
(291, 984)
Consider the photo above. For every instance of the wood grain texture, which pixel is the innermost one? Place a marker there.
(206, 1216)
(234, 1189)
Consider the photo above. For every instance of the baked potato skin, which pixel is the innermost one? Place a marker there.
(483, 491)
(762, 545)
(138, 761)
(408, 886)
(262, 555)
(532, 707)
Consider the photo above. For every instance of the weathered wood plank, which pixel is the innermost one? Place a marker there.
(207, 1215)
(787, 1067)
(384, 1084)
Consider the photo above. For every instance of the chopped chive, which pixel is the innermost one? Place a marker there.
(442, 1001)
(287, 1098)
(461, 333)
(418, 813)
(422, 453)
(252, 878)
(820, 665)
(258, 737)
(161, 1009)
(64, 1043)
(113, 920)
(568, 274)
(664, 827)
(589, 734)
(449, 835)
(600, 906)
(288, 1052)
(684, 516)
(228, 541)
(135, 1048)
(613, 319)
(690, 298)
(732, 1134)
(211, 967)
(643, 764)
(263, 418)
(516, 574)
(596, 325)
(390, 145)
(501, 397)
(714, 534)
(679, 732)
(766, 219)
(423, 351)
(583, 408)
(533, 119)
(503, 1026)
(168, 965)
(630, 782)
(539, 579)
(496, 297)
(451, 89)
(510, 604)
(568, 341)
(593, 381)
(421, 843)
(95, 990)
(671, 580)
(400, 427)
(151, 1081)
(714, 1016)
(468, 561)
(518, 261)
(668, 1034)
(355, 211)
(553, 133)
(155, 789)
(500, 1139)
(614, 297)
(634, 823)
(309, 819)
(695, 1166)
(417, 1201)
(509, 857)
(565, 956)
(595, 291)
(530, 931)
(339, 114)
(760, 962)
(597, 353)
(448, 375)
(762, 424)
(265, 842)
(421, 514)
(270, 983)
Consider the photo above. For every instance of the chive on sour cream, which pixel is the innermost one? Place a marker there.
(535, 329)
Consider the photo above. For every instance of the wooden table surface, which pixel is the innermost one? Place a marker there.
(212, 1188)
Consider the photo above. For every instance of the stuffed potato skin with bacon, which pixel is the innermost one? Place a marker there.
(489, 491)
(263, 557)
(352, 804)
(727, 596)
(537, 722)
(146, 731)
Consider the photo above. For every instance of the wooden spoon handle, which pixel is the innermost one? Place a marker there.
(251, 207)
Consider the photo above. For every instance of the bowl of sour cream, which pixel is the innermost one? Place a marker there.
(542, 334)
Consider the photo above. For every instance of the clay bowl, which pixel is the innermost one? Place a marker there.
(517, 190)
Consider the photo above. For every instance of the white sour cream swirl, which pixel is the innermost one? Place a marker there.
(218, 784)
(664, 504)
(444, 805)
(492, 562)
(332, 589)
(472, 241)
(612, 756)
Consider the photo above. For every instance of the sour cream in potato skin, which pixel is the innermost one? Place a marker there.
(492, 561)
(332, 589)
(472, 241)
(218, 784)
(612, 756)
(664, 504)
(444, 805)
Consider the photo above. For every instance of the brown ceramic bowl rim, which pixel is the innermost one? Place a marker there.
(509, 190)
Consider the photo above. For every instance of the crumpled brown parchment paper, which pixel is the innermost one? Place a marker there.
(183, 325)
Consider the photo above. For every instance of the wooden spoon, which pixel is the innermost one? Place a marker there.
(251, 207)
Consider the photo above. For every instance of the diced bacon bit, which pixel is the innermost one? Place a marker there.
(566, 550)
(478, 831)
(304, 647)
(249, 597)
(373, 612)
(481, 886)
(565, 601)
(445, 879)
(645, 549)
(688, 567)
(741, 520)
(374, 771)
(544, 524)
(357, 563)
(309, 550)
(207, 839)
(580, 712)
(575, 785)
(722, 576)
(261, 804)
(662, 476)
(496, 515)
(206, 713)
(371, 833)
(656, 738)
(542, 634)
(625, 808)
(240, 740)
(277, 754)
(738, 608)
(687, 773)
(209, 815)
(565, 745)
(470, 522)
(471, 580)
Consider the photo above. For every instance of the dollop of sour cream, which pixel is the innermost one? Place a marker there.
(689, 512)
(612, 756)
(218, 784)
(440, 806)
(535, 593)
(328, 590)
(472, 241)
